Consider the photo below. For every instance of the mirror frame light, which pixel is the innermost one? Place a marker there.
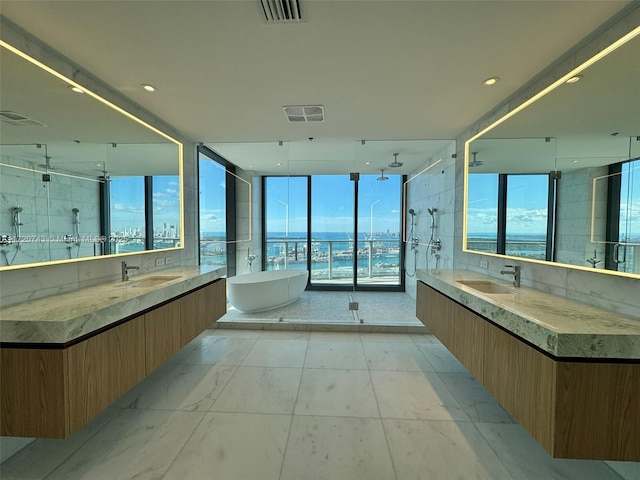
(467, 149)
(97, 97)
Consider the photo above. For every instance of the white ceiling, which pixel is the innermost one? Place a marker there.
(398, 74)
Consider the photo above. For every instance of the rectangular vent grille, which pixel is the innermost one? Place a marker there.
(281, 11)
(17, 120)
(304, 113)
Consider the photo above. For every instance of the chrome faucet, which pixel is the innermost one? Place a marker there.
(515, 272)
(125, 270)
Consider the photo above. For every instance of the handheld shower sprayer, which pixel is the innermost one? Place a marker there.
(76, 225)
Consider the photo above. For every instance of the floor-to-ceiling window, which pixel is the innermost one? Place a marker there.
(379, 230)
(166, 211)
(285, 223)
(623, 230)
(527, 216)
(345, 230)
(332, 230)
(127, 214)
(216, 211)
(510, 214)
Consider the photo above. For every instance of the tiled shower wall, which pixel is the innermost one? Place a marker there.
(47, 214)
(431, 186)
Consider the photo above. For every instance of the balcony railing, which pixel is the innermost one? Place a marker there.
(333, 259)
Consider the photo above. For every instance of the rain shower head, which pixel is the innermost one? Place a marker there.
(412, 212)
(395, 163)
(382, 178)
(75, 210)
(474, 162)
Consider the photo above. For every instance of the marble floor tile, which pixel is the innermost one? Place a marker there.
(437, 449)
(233, 333)
(39, 458)
(214, 350)
(233, 446)
(336, 354)
(260, 390)
(423, 338)
(441, 359)
(395, 356)
(334, 337)
(284, 335)
(415, 395)
(337, 393)
(178, 387)
(386, 337)
(477, 403)
(626, 470)
(527, 460)
(137, 444)
(276, 353)
(330, 448)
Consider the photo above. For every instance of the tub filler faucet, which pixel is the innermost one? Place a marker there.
(125, 270)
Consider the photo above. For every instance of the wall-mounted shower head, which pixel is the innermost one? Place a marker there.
(17, 209)
(432, 211)
(412, 212)
(75, 210)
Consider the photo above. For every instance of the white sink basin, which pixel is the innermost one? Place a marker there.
(486, 286)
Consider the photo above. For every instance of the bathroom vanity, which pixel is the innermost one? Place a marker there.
(567, 372)
(64, 359)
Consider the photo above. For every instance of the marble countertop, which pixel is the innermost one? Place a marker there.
(557, 325)
(63, 318)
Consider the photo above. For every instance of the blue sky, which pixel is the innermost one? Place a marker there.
(127, 201)
(333, 204)
(526, 204)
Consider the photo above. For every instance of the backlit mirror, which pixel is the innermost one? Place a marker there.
(558, 179)
(79, 178)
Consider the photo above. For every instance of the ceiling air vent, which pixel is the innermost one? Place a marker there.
(17, 120)
(304, 113)
(281, 11)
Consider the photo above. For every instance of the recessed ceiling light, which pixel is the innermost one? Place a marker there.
(278, 164)
(574, 79)
(367, 163)
(575, 161)
(148, 87)
(491, 81)
(76, 89)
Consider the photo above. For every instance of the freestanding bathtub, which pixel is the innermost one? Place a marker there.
(259, 291)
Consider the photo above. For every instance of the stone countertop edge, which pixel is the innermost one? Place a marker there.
(558, 326)
(63, 318)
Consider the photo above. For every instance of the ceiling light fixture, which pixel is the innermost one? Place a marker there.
(395, 163)
(574, 79)
(75, 89)
(148, 87)
(367, 163)
(491, 81)
(382, 178)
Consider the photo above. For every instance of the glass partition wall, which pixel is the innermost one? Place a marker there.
(345, 229)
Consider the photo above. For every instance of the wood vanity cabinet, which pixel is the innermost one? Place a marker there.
(575, 408)
(52, 392)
